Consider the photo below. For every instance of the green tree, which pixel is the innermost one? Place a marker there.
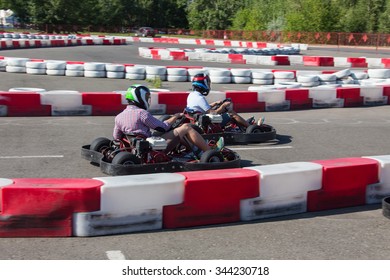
(384, 19)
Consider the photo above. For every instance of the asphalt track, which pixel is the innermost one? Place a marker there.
(50, 147)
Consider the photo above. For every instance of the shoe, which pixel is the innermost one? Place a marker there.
(260, 121)
(220, 144)
(251, 120)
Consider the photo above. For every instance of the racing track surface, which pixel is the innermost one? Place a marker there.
(50, 147)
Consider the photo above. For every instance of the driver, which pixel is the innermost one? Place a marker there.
(136, 120)
(196, 101)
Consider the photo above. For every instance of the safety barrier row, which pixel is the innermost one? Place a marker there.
(126, 204)
(208, 55)
(39, 102)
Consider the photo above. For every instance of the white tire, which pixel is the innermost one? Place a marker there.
(177, 72)
(94, 74)
(193, 71)
(75, 67)
(15, 69)
(311, 84)
(219, 73)
(115, 67)
(359, 75)
(16, 61)
(36, 71)
(153, 76)
(74, 73)
(241, 80)
(342, 74)
(55, 65)
(241, 72)
(263, 81)
(135, 70)
(55, 72)
(221, 79)
(36, 64)
(308, 79)
(115, 75)
(27, 89)
(156, 70)
(262, 75)
(94, 66)
(284, 75)
(173, 78)
(327, 77)
(379, 73)
(131, 76)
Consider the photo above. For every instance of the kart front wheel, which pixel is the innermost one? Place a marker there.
(125, 158)
(99, 144)
(211, 156)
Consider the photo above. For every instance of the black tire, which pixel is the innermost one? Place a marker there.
(211, 156)
(99, 144)
(254, 129)
(386, 207)
(125, 158)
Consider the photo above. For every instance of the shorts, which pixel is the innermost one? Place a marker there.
(225, 119)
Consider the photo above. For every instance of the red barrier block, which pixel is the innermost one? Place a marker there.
(344, 183)
(236, 58)
(299, 98)
(227, 43)
(117, 41)
(261, 45)
(351, 96)
(173, 40)
(45, 206)
(103, 103)
(21, 104)
(386, 62)
(15, 44)
(106, 42)
(198, 41)
(212, 197)
(357, 61)
(386, 92)
(3, 45)
(318, 61)
(281, 59)
(209, 42)
(89, 41)
(245, 101)
(175, 101)
(178, 55)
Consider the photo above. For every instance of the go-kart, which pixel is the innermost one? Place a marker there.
(134, 154)
(211, 128)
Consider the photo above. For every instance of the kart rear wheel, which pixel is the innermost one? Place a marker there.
(254, 129)
(211, 156)
(99, 144)
(125, 158)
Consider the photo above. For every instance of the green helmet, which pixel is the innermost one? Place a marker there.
(136, 94)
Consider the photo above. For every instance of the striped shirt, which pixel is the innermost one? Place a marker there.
(137, 121)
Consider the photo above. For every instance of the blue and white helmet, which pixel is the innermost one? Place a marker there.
(201, 82)
(137, 94)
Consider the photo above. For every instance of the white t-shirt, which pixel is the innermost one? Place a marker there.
(197, 102)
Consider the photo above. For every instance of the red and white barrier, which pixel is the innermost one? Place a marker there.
(125, 204)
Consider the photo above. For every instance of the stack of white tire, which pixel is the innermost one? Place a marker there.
(36, 67)
(94, 70)
(74, 70)
(220, 75)
(241, 76)
(16, 64)
(55, 67)
(115, 71)
(193, 71)
(177, 75)
(262, 77)
(281, 77)
(135, 72)
(3, 65)
(155, 72)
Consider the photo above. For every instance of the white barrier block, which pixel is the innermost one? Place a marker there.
(5, 182)
(376, 192)
(283, 190)
(131, 203)
(296, 59)
(341, 62)
(324, 97)
(373, 95)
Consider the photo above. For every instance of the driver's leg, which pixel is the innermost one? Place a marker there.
(239, 120)
(192, 135)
